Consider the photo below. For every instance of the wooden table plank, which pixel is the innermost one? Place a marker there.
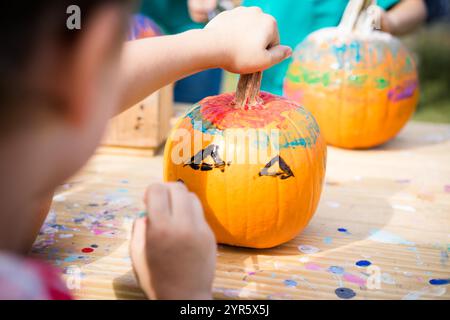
(393, 202)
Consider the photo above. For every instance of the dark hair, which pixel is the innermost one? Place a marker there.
(23, 24)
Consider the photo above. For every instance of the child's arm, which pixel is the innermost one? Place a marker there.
(242, 40)
(404, 17)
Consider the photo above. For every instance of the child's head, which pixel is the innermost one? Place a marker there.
(58, 87)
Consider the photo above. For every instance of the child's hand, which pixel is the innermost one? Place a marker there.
(173, 249)
(404, 17)
(199, 9)
(386, 23)
(247, 40)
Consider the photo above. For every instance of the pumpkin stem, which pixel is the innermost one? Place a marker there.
(352, 13)
(247, 92)
(369, 19)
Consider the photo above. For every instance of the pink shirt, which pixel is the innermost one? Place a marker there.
(24, 278)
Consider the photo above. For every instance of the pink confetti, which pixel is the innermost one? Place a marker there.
(313, 266)
(354, 279)
(447, 188)
(98, 231)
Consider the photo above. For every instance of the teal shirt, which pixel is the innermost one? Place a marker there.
(296, 19)
(171, 15)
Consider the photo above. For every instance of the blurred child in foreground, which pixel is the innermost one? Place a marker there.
(59, 87)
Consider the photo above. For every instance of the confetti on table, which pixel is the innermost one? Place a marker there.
(343, 230)
(336, 270)
(308, 249)
(345, 293)
(404, 208)
(439, 282)
(333, 204)
(59, 198)
(290, 283)
(363, 263)
(387, 237)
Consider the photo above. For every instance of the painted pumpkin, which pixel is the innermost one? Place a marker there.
(361, 85)
(255, 160)
(142, 26)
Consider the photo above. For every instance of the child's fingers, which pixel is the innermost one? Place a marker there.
(200, 221)
(138, 243)
(279, 53)
(145, 198)
(197, 208)
(158, 203)
(272, 34)
(252, 8)
(138, 254)
(179, 184)
(138, 234)
(180, 202)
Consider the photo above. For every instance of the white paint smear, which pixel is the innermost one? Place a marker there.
(404, 208)
(308, 249)
(333, 204)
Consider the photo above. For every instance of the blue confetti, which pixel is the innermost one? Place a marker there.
(345, 293)
(290, 283)
(336, 270)
(363, 263)
(439, 282)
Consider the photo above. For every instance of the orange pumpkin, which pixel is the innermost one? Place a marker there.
(360, 84)
(255, 160)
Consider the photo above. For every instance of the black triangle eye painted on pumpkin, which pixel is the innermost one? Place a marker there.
(198, 161)
(283, 172)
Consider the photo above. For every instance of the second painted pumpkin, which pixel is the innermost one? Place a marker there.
(361, 85)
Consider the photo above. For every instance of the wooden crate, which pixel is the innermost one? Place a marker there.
(145, 125)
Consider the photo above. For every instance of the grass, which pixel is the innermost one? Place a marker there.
(432, 47)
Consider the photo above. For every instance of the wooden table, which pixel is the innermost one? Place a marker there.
(388, 207)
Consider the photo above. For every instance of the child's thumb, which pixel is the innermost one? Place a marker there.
(279, 53)
(139, 232)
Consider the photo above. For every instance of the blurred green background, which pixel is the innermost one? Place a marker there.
(431, 45)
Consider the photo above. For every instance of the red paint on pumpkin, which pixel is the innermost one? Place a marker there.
(257, 116)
